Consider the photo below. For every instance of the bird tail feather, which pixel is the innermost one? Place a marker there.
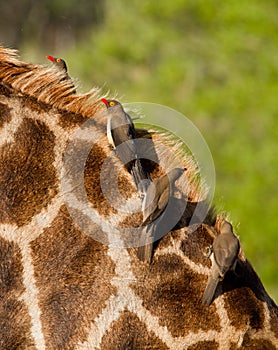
(141, 177)
(210, 290)
(145, 251)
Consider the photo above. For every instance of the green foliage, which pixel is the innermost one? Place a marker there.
(216, 62)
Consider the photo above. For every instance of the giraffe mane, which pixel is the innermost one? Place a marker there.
(46, 85)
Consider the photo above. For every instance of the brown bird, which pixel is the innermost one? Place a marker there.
(121, 136)
(154, 203)
(225, 249)
(120, 127)
(59, 63)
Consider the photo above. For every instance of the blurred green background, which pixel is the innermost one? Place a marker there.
(214, 61)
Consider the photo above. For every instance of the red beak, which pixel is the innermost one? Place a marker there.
(50, 58)
(104, 101)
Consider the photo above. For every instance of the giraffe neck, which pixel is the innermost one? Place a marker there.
(64, 282)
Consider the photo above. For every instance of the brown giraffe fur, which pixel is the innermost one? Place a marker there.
(59, 288)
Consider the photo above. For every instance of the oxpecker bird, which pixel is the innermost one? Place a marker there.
(60, 64)
(154, 204)
(121, 136)
(225, 249)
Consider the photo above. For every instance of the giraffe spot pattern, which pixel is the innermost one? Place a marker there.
(75, 159)
(256, 344)
(193, 246)
(168, 291)
(5, 114)
(128, 332)
(14, 318)
(243, 308)
(34, 105)
(204, 345)
(4, 90)
(69, 120)
(27, 176)
(70, 270)
(95, 173)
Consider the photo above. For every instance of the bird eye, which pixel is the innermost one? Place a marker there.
(58, 60)
(112, 103)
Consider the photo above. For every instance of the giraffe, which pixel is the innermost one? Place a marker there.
(62, 289)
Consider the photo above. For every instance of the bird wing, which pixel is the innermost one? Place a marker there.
(163, 199)
(157, 198)
(131, 130)
(210, 290)
(119, 118)
(145, 251)
(141, 176)
(149, 204)
(212, 283)
(122, 135)
(120, 129)
(226, 253)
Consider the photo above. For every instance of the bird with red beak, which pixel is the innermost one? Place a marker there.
(59, 63)
(61, 66)
(121, 136)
